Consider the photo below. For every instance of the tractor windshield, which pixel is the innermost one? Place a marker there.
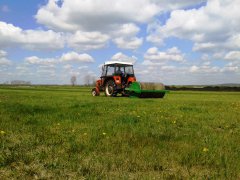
(124, 69)
(110, 70)
(129, 70)
(117, 69)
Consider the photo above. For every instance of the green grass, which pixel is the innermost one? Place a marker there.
(65, 133)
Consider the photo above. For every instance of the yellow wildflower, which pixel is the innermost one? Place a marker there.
(85, 134)
(104, 133)
(205, 149)
(3, 132)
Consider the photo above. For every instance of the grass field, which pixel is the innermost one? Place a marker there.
(65, 133)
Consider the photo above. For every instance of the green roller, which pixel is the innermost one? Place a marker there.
(146, 90)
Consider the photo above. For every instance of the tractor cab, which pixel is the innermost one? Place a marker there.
(110, 69)
(115, 77)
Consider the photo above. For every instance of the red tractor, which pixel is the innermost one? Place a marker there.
(116, 76)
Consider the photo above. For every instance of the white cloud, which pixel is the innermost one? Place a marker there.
(29, 39)
(233, 55)
(57, 70)
(93, 22)
(72, 57)
(43, 40)
(168, 68)
(34, 60)
(78, 15)
(93, 15)
(172, 54)
(194, 69)
(129, 29)
(46, 72)
(83, 67)
(3, 54)
(214, 27)
(22, 68)
(208, 46)
(153, 64)
(90, 24)
(87, 40)
(207, 69)
(125, 37)
(204, 73)
(128, 43)
(49, 40)
(3, 59)
(124, 58)
(153, 32)
(68, 67)
(231, 69)
(75, 57)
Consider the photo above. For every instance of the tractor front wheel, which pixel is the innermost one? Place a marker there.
(95, 92)
(110, 88)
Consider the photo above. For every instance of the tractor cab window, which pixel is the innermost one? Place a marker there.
(110, 70)
(104, 70)
(119, 70)
(129, 70)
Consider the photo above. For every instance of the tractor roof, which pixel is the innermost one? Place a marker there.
(117, 62)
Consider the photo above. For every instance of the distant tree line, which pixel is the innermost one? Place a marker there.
(89, 80)
(203, 88)
(19, 82)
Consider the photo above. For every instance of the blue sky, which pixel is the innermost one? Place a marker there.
(174, 42)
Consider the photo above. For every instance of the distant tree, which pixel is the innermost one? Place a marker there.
(73, 80)
(93, 80)
(89, 80)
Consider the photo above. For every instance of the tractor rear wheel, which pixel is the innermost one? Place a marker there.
(110, 88)
(95, 92)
